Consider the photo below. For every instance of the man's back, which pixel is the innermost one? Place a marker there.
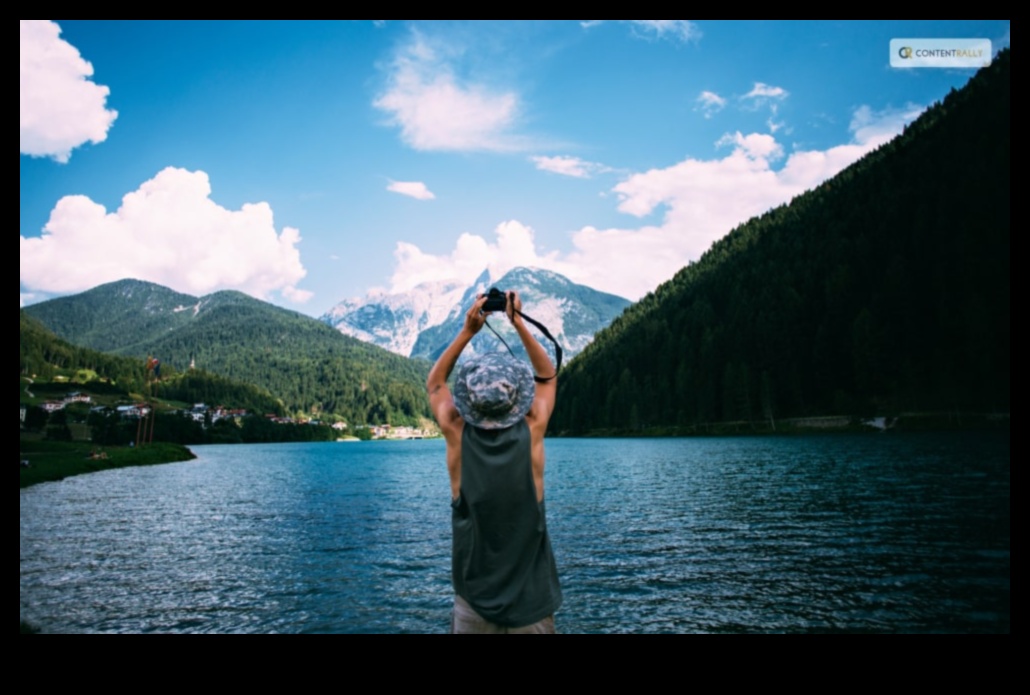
(502, 561)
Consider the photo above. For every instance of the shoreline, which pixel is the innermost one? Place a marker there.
(51, 461)
(824, 424)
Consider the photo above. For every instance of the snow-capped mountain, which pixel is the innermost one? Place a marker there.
(423, 322)
(394, 321)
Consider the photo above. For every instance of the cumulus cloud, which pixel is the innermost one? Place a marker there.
(568, 166)
(168, 231)
(701, 200)
(61, 108)
(514, 246)
(437, 111)
(413, 189)
(710, 103)
(705, 199)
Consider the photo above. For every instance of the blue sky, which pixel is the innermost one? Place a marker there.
(307, 162)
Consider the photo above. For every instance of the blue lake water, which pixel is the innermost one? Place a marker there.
(834, 533)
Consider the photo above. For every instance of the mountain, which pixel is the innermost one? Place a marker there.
(884, 290)
(394, 321)
(121, 317)
(423, 322)
(311, 367)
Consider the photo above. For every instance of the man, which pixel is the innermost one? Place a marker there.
(502, 566)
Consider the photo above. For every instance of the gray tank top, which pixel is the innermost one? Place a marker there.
(502, 562)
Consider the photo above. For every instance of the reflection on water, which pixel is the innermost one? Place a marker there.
(878, 533)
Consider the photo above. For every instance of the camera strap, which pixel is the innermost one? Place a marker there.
(547, 334)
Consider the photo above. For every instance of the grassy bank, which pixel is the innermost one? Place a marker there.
(57, 460)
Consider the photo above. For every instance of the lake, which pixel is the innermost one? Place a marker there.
(880, 533)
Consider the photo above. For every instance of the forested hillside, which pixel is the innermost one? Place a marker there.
(886, 289)
(314, 369)
(44, 355)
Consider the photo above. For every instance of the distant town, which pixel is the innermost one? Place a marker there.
(208, 415)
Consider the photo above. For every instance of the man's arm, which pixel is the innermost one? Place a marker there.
(543, 401)
(440, 400)
(441, 403)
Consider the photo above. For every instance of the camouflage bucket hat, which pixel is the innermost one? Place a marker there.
(493, 391)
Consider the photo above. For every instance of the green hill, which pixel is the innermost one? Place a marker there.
(885, 289)
(310, 366)
(56, 367)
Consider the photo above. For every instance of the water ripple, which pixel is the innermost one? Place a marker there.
(814, 534)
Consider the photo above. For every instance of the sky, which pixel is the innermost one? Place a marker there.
(309, 162)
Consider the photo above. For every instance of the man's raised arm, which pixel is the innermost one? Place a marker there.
(547, 383)
(441, 403)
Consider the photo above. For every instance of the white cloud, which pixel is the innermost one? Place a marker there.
(568, 166)
(437, 111)
(168, 231)
(710, 103)
(674, 29)
(702, 201)
(414, 189)
(763, 91)
(60, 107)
(877, 127)
(762, 95)
(514, 246)
(705, 199)
(293, 294)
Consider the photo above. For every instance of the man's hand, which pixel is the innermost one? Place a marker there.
(475, 319)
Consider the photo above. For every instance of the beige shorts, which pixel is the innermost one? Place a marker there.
(465, 621)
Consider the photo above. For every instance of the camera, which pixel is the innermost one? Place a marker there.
(495, 300)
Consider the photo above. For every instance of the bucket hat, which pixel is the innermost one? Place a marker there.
(493, 391)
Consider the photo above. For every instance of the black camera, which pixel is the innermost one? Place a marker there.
(495, 300)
